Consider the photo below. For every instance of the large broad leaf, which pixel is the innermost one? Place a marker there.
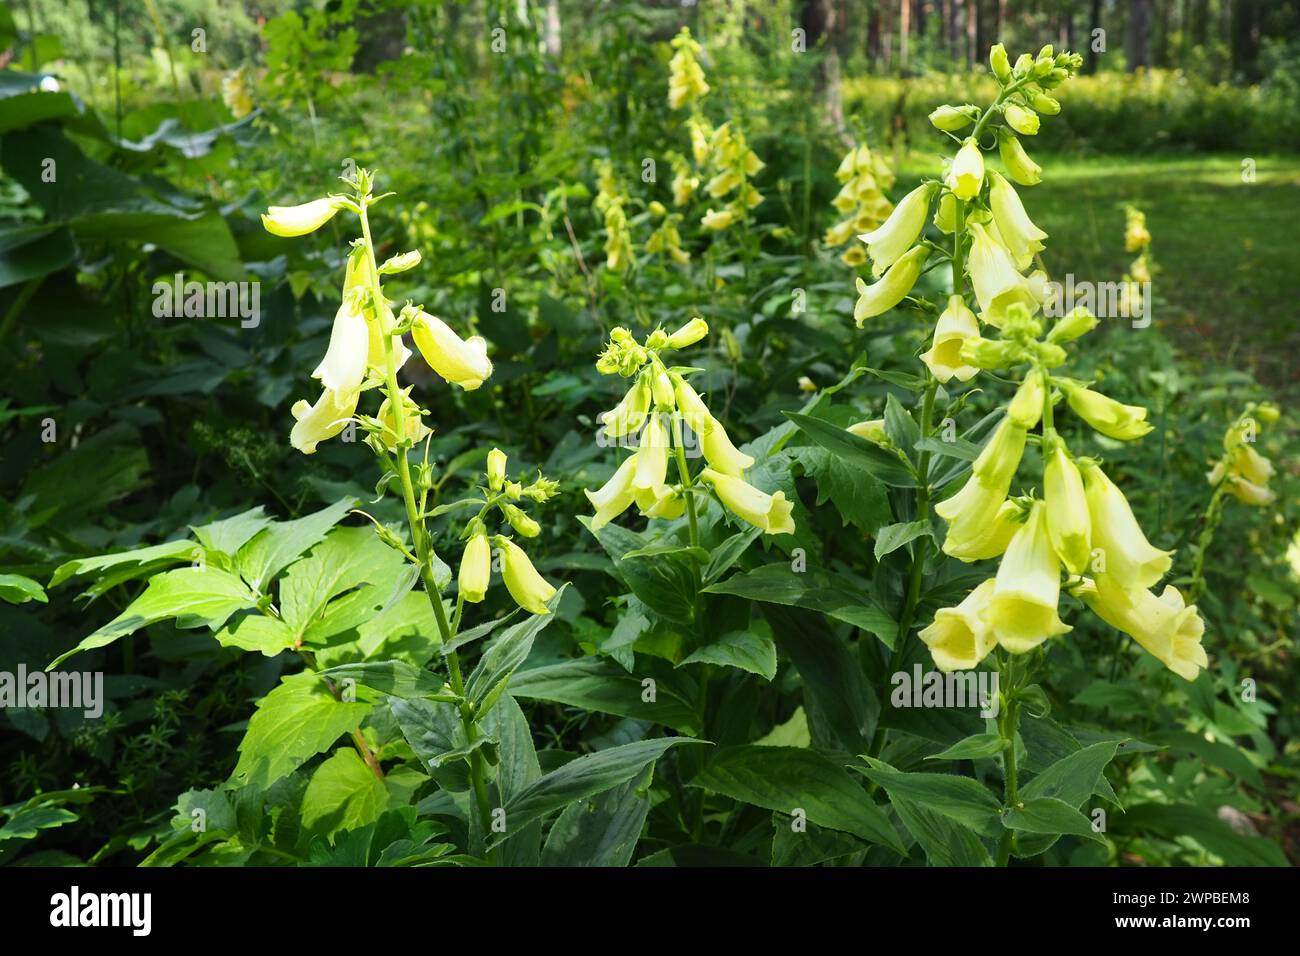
(584, 777)
(505, 655)
(959, 798)
(434, 731)
(294, 722)
(1050, 817)
(230, 534)
(814, 590)
(862, 502)
(871, 458)
(195, 597)
(395, 678)
(183, 551)
(343, 794)
(273, 548)
(346, 558)
(601, 830)
(517, 768)
(746, 650)
(945, 842)
(789, 779)
(30, 252)
(600, 685)
(1072, 779)
(19, 589)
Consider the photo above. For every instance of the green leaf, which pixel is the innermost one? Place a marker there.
(1072, 779)
(295, 721)
(434, 730)
(273, 548)
(19, 589)
(1049, 815)
(230, 534)
(814, 590)
(883, 465)
(728, 553)
(601, 685)
(183, 551)
(395, 678)
(584, 777)
(256, 632)
(343, 794)
(787, 779)
(195, 597)
(346, 558)
(973, 747)
(892, 537)
(507, 652)
(746, 650)
(600, 830)
(959, 798)
(1173, 821)
(945, 842)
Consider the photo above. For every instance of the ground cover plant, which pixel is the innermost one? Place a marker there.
(436, 435)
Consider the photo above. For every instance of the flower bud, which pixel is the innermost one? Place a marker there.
(1019, 166)
(966, 174)
(475, 567)
(291, 221)
(892, 288)
(1026, 406)
(953, 118)
(873, 431)
(999, 62)
(529, 589)
(1021, 120)
(400, 263)
(1072, 326)
(496, 469)
(899, 232)
(520, 521)
(688, 334)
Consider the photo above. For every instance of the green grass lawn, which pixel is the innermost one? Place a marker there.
(1225, 249)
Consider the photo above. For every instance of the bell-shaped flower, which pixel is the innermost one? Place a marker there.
(463, 362)
(1069, 523)
(970, 514)
(475, 567)
(890, 290)
(530, 590)
(344, 366)
(630, 413)
(717, 220)
(668, 503)
(998, 283)
(380, 320)
(1023, 609)
(1168, 629)
(409, 426)
(614, 496)
(688, 334)
(1019, 166)
(997, 463)
(1021, 236)
(872, 430)
(960, 637)
(1250, 493)
(1250, 464)
(1026, 406)
(899, 232)
(1127, 554)
(317, 423)
(966, 174)
(1020, 119)
(1111, 418)
(290, 221)
(956, 326)
(771, 513)
(651, 455)
(984, 541)
(720, 453)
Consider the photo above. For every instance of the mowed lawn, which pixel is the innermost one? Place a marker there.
(1227, 250)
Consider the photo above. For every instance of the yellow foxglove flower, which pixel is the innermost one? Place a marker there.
(1069, 523)
(999, 459)
(1247, 492)
(984, 541)
(520, 521)
(1021, 236)
(956, 326)
(998, 283)
(651, 455)
(1111, 418)
(629, 414)
(530, 590)
(410, 426)
(322, 421)
(496, 469)
(945, 213)
(684, 188)
(892, 288)
(854, 256)
(475, 567)
(872, 431)
(1127, 554)
(1019, 166)
(375, 358)
(690, 333)
(970, 514)
(290, 221)
(1023, 121)
(771, 513)
(1249, 464)
(1166, 628)
(1026, 406)
(966, 174)
(694, 412)
(720, 453)
(1070, 327)
(1023, 609)
(668, 504)
(719, 220)
(887, 244)
(461, 361)
(615, 496)
(959, 638)
(344, 366)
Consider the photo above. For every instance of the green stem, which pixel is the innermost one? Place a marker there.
(688, 483)
(1213, 515)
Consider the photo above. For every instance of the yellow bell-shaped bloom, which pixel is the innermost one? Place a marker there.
(684, 188)
(1070, 327)
(873, 431)
(1069, 523)
(530, 590)
(960, 637)
(1125, 551)
(1249, 464)
(1247, 492)
(987, 540)
(771, 513)
(317, 423)
(630, 413)
(376, 358)
(1111, 418)
(720, 453)
(890, 290)
(1166, 628)
(408, 426)
(956, 326)
(719, 219)
(1023, 609)
(1019, 166)
(290, 221)
(1021, 236)
(614, 496)
(899, 233)
(344, 366)
(1022, 120)
(970, 515)
(945, 213)
(651, 455)
(997, 463)
(463, 362)
(966, 174)
(475, 567)
(998, 283)
(1026, 406)
(688, 334)
(668, 504)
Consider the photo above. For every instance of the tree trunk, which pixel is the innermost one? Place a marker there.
(904, 27)
(551, 31)
(1139, 34)
(972, 31)
(1094, 24)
